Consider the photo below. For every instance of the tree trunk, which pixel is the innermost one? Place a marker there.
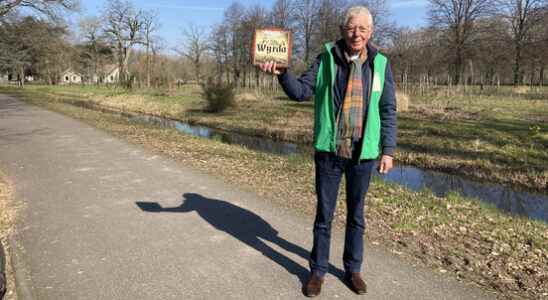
(471, 64)
(458, 66)
(517, 67)
(532, 79)
(148, 65)
(22, 77)
(128, 80)
(121, 69)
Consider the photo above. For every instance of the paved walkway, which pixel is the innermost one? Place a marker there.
(103, 219)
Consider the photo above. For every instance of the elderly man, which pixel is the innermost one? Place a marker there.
(355, 122)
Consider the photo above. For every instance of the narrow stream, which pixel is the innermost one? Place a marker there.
(531, 205)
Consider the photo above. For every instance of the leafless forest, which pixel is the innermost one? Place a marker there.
(465, 42)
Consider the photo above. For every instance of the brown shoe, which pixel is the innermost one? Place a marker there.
(314, 286)
(356, 283)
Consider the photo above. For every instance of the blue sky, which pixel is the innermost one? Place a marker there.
(174, 15)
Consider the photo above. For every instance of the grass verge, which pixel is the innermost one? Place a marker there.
(472, 241)
(7, 222)
(499, 137)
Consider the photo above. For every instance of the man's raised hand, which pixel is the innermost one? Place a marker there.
(270, 67)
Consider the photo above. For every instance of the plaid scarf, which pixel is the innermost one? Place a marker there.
(350, 118)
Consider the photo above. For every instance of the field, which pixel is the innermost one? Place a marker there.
(493, 135)
(472, 241)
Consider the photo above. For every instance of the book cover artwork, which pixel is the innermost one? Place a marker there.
(272, 45)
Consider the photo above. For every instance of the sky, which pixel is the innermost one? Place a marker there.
(174, 15)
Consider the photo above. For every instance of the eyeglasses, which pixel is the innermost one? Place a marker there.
(360, 29)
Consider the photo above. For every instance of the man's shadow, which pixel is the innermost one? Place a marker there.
(245, 226)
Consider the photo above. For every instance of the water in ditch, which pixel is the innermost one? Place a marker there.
(528, 204)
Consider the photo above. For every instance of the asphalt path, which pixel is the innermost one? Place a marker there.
(103, 219)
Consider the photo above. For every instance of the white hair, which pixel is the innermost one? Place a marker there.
(355, 11)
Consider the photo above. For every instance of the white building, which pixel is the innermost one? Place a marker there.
(107, 74)
(112, 75)
(70, 77)
(4, 78)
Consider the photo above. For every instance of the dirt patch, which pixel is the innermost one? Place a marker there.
(538, 118)
(402, 100)
(441, 112)
(246, 96)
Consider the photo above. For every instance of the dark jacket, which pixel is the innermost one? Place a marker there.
(303, 88)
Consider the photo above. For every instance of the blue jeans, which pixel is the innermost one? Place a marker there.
(329, 171)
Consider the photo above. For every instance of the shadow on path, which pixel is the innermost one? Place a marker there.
(243, 225)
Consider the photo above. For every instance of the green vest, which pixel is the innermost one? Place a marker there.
(325, 127)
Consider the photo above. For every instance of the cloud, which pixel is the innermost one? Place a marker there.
(185, 7)
(409, 3)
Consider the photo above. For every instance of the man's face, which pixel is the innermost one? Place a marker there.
(357, 32)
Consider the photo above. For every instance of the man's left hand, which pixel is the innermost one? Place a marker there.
(385, 164)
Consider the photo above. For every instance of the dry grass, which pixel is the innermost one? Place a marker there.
(7, 210)
(479, 133)
(131, 102)
(402, 101)
(247, 96)
(7, 223)
(521, 90)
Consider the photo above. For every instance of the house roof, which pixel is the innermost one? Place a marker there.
(109, 69)
(72, 72)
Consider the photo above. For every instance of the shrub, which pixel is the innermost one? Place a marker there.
(219, 95)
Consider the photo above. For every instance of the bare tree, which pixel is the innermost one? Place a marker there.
(283, 14)
(522, 16)
(220, 47)
(330, 16)
(458, 18)
(493, 38)
(255, 17)
(124, 26)
(50, 8)
(405, 45)
(195, 48)
(543, 44)
(94, 51)
(150, 25)
(307, 12)
(233, 18)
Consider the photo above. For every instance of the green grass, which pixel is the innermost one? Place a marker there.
(498, 136)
